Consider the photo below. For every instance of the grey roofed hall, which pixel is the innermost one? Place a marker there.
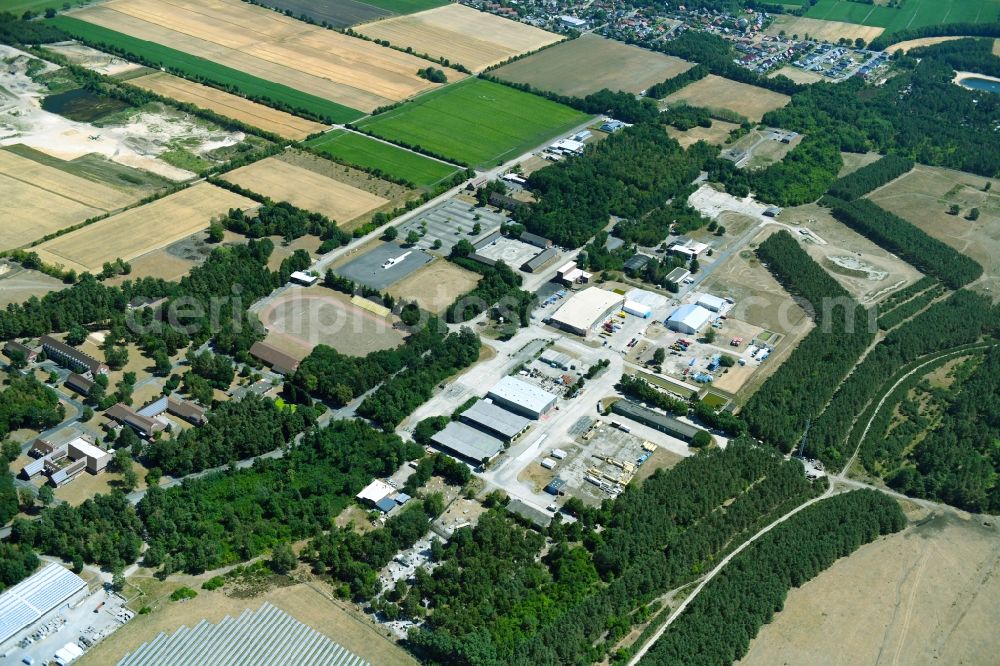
(496, 419)
(661, 422)
(467, 442)
(531, 398)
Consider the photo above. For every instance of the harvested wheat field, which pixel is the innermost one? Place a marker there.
(590, 63)
(141, 230)
(39, 200)
(820, 30)
(927, 595)
(436, 286)
(460, 34)
(715, 92)
(306, 189)
(346, 70)
(797, 75)
(231, 106)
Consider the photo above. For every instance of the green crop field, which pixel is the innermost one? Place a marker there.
(406, 6)
(200, 69)
(475, 122)
(912, 14)
(369, 154)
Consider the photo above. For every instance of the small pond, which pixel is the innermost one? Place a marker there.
(82, 105)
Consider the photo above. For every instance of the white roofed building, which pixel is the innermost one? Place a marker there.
(521, 397)
(375, 492)
(585, 310)
(34, 598)
(688, 319)
(709, 302)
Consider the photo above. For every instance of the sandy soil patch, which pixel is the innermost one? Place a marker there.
(716, 92)
(461, 34)
(141, 230)
(590, 63)
(797, 75)
(310, 603)
(435, 286)
(232, 106)
(301, 318)
(923, 197)
(92, 59)
(916, 43)
(306, 189)
(820, 30)
(271, 46)
(926, 595)
(661, 459)
(716, 134)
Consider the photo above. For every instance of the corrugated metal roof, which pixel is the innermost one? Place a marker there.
(523, 394)
(35, 596)
(468, 442)
(495, 418)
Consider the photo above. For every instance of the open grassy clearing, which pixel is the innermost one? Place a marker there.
(300, 319)
(282, 181)
(288, 55)
(927, 595)
(916, 43)
(337, 13)
(716, 92)
(923, 197)
(590, 63)
(140, 230)
(406, 6)
(39, 199)
(199, 67)
(460, 34)
(716, 134)
(797, 75)
(476, 122)
(435, 286)
(854, 161)
(822, 30)
(18, 284)
(232, 106)
(911, 13)
(367, 153)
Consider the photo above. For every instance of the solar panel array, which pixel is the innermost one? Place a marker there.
(265, 637)
(35, 596)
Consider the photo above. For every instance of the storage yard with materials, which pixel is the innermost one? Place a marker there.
(590, 63)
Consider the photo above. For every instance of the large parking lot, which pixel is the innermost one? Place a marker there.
(371, 268)
(450, 222)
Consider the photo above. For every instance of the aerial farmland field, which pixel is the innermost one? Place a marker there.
(590, 63)
(716, 92)
(461, 34)
(910, 14)
(306, 189)
(822, 30)
(476, 122)
(338, 13)
(372, 155)
(226, 104)
(141, 230)
(261, 43)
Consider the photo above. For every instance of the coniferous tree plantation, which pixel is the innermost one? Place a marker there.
(716, 629)
(870, 177)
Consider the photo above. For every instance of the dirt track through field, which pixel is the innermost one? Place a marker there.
(231, 106)
(141, 230)
(461, 34)
(271, 46)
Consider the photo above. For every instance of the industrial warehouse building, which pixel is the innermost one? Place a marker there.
(709, 302)
(584, 311)
(677, 276)
(663, 423)
(468, 443)
(495, 420)
(256, 638)
(688, 319)
(35, 598)
(521, 397)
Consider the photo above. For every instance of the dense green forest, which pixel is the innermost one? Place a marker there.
(958, 320)
(628, 174)
(17, 562)
(717, 627)
(675, 216)
(798, 390)
(500, 286)
(957, 461)
(673, 84)
(902, 312)
(912, 244)
(8, 496)
(964, 55)
(919, 114)
(492, 601)
(804, 174)
(285, 220)
(235, 430)
(25, 402)
(870, 177)
(400, 394)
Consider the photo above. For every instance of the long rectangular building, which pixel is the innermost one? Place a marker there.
(586, 309)
(467, 443)
(495, 420)
(35, 597)
(521, 397)
(655, 420)
(71, 356)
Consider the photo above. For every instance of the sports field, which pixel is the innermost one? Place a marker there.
(590, 63)
(140, 230)
(910, 13)
(231, 106)
(822, 30)
(265, 44)
(39, 200)
(371, 155)
(476, 122)
(306, 189)
(461, 34)
(716, 92)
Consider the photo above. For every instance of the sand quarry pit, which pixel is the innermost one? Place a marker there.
(92, 59)
(137, 143)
